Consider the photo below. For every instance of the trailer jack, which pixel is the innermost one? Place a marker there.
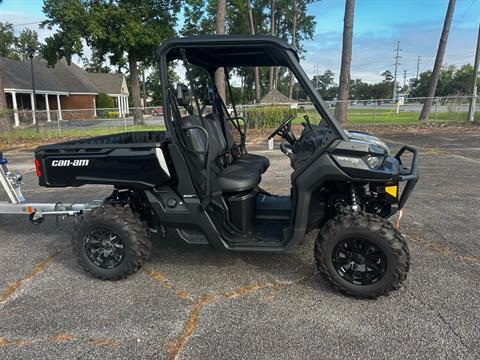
(11, 182)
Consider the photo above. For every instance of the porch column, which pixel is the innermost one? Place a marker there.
(119, 102)
(124, 107)
(94, 107)
(15, 108)
(126, 100)
(47, 107)
(59, 108)
(32, 102)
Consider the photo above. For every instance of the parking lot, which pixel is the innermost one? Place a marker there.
(197, 303)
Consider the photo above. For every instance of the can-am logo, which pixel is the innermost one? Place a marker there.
(70, 162)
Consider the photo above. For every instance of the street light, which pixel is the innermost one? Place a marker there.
(31, 53)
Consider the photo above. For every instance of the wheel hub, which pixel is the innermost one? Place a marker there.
(104, 248)
(359, 261)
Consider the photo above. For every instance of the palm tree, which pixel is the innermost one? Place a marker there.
(438, 61)
(220, 27)
(344, 86)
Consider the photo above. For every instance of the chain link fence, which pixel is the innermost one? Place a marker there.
(65, 124)
(366, 112)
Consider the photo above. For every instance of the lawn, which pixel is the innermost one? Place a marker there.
(388, 117)
(46, 135)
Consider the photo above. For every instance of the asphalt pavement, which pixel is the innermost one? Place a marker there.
(197, 303)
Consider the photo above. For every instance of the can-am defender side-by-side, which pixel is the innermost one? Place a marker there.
(195, 183)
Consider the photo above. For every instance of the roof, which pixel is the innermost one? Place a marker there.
(276, 97)
(60, 78)
(107, 83)
(213, 51)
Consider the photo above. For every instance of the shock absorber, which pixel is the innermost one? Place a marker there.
(355, 200)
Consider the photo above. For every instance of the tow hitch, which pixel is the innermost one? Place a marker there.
(11, 182)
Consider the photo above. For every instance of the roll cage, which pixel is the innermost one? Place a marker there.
(215, 51)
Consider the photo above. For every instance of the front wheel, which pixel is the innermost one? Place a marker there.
(362, 255)
(111, 242)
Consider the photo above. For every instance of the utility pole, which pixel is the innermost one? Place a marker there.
(418, 66)
(396, 57)
(471, 110)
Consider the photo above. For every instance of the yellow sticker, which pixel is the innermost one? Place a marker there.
(392, 190)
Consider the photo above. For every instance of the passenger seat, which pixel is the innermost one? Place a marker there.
(246, 160)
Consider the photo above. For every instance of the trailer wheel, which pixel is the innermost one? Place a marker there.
(362, 255)
(111, 242)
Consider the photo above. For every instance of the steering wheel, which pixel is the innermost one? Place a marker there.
(284, 129)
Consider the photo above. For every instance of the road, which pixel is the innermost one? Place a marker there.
(197, 303)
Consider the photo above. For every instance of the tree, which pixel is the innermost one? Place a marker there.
(294, 43)
(95, 63)
(220, 30)
(7, 40)
(4, 123)
(387, 76)
(258, 94)
(438, 61)
(344, 83)
(272, 32)
(117, 29)
(324, 82)
(28, 39)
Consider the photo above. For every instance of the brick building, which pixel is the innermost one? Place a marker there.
(64, 92)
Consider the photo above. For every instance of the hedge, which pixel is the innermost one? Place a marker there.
(267, 117)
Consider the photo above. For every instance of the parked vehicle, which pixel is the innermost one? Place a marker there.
(194, 183)
(158, 111)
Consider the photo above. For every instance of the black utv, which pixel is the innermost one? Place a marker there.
(196, 182)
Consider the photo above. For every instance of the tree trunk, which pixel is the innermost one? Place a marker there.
(257, 74)
(344, 83)
(294, 44)
(272, 32)
(427, 106)
(137, 112)
(4, 120)
(220, 30)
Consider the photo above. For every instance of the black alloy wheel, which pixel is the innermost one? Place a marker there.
(359, 261)
(104, 248)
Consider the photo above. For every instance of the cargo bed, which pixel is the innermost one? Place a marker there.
(132, 159)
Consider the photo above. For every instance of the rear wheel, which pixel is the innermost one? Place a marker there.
(111, 242)
(362, 255)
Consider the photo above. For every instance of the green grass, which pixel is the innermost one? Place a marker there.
(389, 117)
(45, 135)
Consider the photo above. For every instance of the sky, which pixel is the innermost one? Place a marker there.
(378, 25)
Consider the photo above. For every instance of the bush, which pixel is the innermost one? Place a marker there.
(112, 114)
(267, 117)
(104, 101)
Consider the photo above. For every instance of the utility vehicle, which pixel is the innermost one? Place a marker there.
(195, 183)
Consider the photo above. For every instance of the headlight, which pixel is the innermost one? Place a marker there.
(374, 162)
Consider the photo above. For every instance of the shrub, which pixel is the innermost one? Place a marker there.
(267, 117)
(112, 114)
(104, 101)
